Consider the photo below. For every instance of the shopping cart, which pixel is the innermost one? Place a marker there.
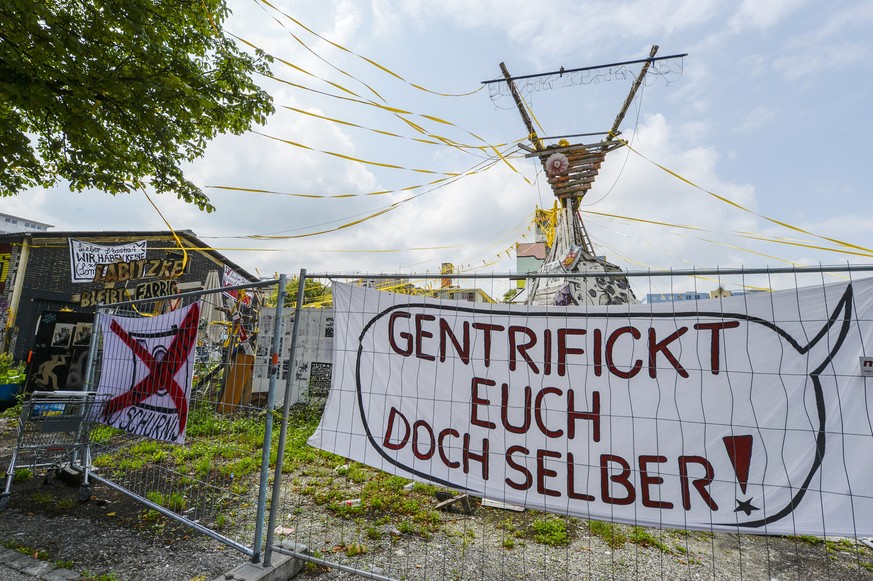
(53, 433)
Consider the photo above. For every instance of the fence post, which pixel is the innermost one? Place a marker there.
(92, 351)
(268, 422)
(280, 453)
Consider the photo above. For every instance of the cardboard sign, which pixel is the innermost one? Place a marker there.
(744, 414)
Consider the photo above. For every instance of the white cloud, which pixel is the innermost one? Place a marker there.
(755, 119)
(759, 14)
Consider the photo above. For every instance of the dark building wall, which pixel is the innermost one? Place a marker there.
(48, 281)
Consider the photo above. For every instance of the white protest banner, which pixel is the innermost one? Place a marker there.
(232, 278)
(84, 256)
(744, 414)
(148, 366)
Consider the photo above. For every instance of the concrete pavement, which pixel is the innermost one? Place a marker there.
(15, 566)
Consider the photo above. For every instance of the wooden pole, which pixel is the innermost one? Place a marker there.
(639, 80)
(532, 134)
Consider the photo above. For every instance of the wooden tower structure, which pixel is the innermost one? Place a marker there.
(571, 169)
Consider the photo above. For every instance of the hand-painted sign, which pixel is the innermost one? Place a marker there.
(147, 290)
(148, 365)
(232, 278)
(745, 413)
(59, 355)
(84, 256)
(143, 268)
(5, 259)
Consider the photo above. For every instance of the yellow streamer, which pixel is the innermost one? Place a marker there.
(836, 241)
(369, 61)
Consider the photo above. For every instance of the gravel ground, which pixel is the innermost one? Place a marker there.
(113, 536)
(110, 535)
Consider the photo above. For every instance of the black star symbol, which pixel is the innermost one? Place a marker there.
(745, 506)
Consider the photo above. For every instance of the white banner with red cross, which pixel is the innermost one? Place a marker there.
(748, 413)
(147, 369)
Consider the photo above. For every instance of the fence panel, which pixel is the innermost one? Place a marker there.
(683, 437)
(210, 475)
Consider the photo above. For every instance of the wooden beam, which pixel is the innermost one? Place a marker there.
(639, 80)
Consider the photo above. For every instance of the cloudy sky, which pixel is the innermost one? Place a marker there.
(770, 110)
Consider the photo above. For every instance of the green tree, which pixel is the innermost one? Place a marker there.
(115, 94)
(315, 292)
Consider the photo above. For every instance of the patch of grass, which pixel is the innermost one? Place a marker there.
(374, 533)
(809, 539)
(842, 546)
(508, 542)
(104, 577)
(174, 501)
(25, 550)
(642, 537)
(551, 531)
(611, 533)
(22, 474)
(43, 498)
(65, 503)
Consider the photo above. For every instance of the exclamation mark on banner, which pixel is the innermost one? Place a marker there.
(739, 450)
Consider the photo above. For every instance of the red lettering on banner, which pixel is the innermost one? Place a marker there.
(476, 401)
(521, 348)
(543, 472)
(700, 484)
(564, 350)
(647, 480)
(623, 479)
(390, 430)
(662, 346)
(422, 334)
(467, 455)
(610, 345)
(598, 353)
(714, 345)
(489, 329)
(462, 349)
(432, 441)
(442, 447)
(504, 410)
(547, 352)
(593, 415)
(538, 412)
(571, 481)
(528, 478)
(406, 351)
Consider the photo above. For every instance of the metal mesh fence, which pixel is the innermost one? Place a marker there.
(198, 458)
(737, 455)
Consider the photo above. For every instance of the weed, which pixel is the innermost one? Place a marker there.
(355, 549)
(66, 503)
(22, 474)
(611, 533)
(43, 498)
(643, 537)
(809, 539)
(104, 577)
(508, 542)
(551, 531)
(174, 501)
(374, 533)
(25, 550)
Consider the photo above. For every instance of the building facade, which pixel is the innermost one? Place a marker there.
(75, 271)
